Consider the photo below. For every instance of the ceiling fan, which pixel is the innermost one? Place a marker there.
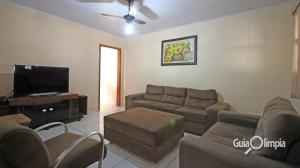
(129, 18)
(134, 6)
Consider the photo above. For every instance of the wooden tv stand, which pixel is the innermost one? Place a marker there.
(64, 107)
(23, 101)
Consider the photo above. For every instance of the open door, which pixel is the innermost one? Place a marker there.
(109, 76)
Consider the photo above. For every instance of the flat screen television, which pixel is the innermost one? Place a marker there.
(37, 80)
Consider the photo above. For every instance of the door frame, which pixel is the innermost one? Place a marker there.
(118, 97)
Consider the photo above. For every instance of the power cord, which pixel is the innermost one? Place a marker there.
(3, 99)
(9, 94)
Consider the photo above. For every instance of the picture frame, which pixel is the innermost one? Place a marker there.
(179, 51)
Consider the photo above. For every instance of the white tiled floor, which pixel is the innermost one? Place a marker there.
(116, 157)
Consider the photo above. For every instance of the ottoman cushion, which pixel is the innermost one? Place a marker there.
(147, 126)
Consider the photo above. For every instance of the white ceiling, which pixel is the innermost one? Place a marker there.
(171, 12)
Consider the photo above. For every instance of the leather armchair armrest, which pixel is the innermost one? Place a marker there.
(49, 125)
(247, 120)
(70, 148)
(53, 124)
(130, 98)
(220, 106)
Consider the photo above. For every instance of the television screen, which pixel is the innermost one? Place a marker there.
(30, 80)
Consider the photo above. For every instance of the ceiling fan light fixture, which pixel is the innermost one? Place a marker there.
(129, 18)
(128, 29)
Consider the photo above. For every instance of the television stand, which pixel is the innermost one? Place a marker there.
(62, 107)
(43, 94)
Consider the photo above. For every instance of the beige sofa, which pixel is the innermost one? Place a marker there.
(198, 107)
(215, 148)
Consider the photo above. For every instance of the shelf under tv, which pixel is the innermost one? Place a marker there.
(64, 107)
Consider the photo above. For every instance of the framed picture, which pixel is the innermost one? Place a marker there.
(180, 51)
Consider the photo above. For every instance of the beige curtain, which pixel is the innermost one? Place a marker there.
(296, 60)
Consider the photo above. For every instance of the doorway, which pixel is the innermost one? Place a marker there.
(109, 77)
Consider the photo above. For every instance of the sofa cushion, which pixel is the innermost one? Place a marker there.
(174, 95)
(175, 91)
(280, 107)
(280, 126)
(192, 114)
(143, 103)
(280, 121)
(165, 107)
(294, 153)
(152, 97)
(154, 92)
(201, 98)
(278, 103)
(173, 100)
(225, 133)
(275, 106)
(259, 128)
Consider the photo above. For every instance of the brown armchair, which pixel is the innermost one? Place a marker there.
(21, 147)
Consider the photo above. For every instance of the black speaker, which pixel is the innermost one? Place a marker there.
(83, 104)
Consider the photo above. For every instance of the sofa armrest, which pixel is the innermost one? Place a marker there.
(247, 120)
(220, 106)
(212, 113)
(130, 98)
(196, 151)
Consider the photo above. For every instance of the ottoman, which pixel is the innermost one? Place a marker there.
(148, 133)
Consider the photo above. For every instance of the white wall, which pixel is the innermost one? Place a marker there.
(31, 37)
(246, 57)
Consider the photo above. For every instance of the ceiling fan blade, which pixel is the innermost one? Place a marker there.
(149, 13)
(123, 2)
(109, 15)
(139, 21)
(96, 1)
(136, 5)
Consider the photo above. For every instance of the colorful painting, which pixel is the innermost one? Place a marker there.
(180, 51)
